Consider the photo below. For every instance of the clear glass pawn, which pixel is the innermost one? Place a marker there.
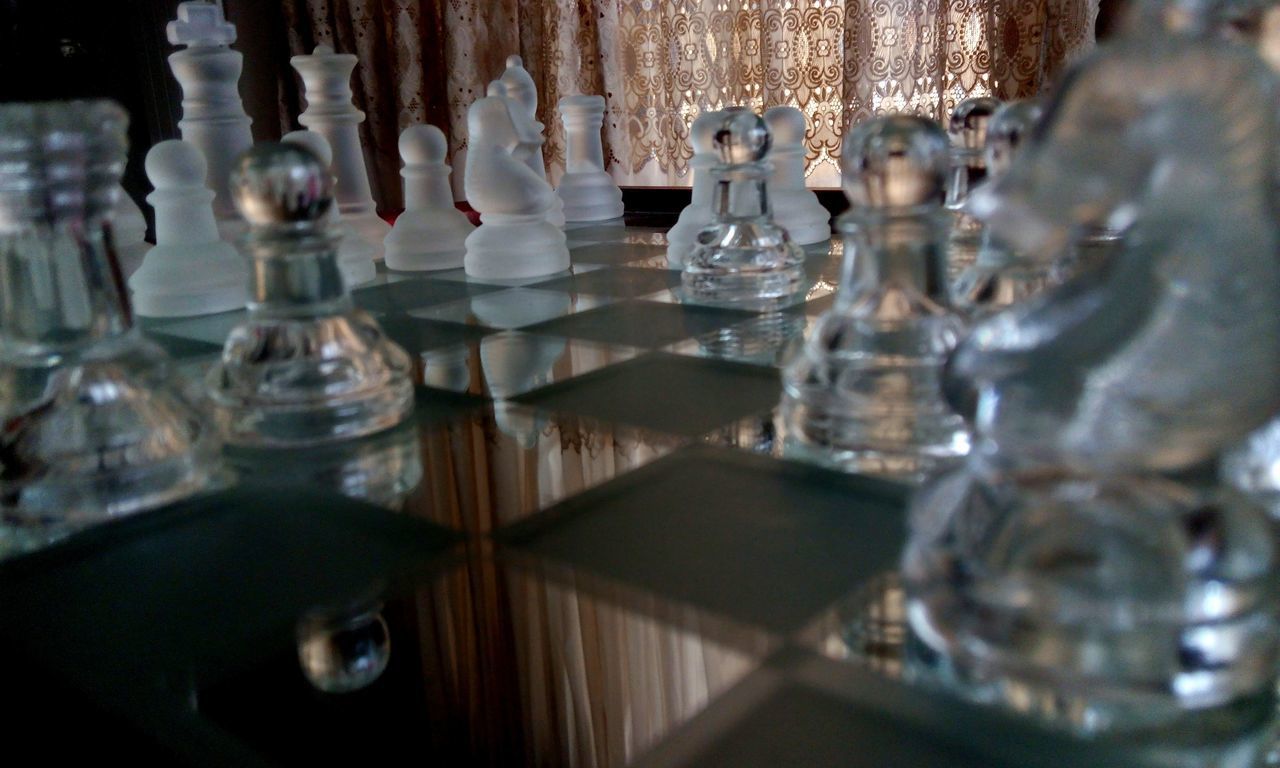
(306, 366)
(743, 257)
(94, 423)
(863, 392)
(968, 131)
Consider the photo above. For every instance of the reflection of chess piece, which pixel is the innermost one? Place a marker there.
(588, 191)
(94, 425)
(742, 257)
(355, 254)
(517, 363)
(698, 213)
(863, 393)
(514, 239)
(344, 650)
(191, 270)
(795, 207)
(431, 233)
(518, 86)
(213, 118)
(968, 129)
(326, 77)
(306, 366)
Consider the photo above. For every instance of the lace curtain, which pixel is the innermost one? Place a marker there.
(659, 62)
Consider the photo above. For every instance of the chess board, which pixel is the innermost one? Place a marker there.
(588, 548)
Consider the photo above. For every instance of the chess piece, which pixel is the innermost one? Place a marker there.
(1002, 275)
(587, 190)
(355, 254)
(92, 423)
(695, 216)
(306, 367)
(864, 391)
(191, 270)
(742, 257)
(326, 79)
(431, 233)
(129, 233)
(1064, 531)
(514, 239)
(795, 207)
(213, 118)
(520, 89)
(968, 129)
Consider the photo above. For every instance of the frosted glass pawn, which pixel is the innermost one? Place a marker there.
(213, 116)
(523, 94)
(191, 270)
(326, 78)
(697, 214)
(431, 233)
(514, 239)
(588, 191)
(795, 207)
(355, 254)
(129, 233)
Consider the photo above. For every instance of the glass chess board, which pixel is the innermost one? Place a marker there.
(586, 548)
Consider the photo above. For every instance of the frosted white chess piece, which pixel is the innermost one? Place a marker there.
(326, 77)
(191, 270)
(588, 191)
(129, 232)
(431, 233)
(795, 207)
(697, 214)
(523, 94)
(213, 117)
(514, 239)
(355, 253)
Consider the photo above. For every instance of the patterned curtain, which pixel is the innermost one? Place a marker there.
(658, 63)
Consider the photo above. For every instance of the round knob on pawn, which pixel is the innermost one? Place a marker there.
(786, 124)
(896, 161)
(1009, 127)
(175, 163)
(741, 136)
(422, 145)
(281, 184)
(968, 126)
(313, 141)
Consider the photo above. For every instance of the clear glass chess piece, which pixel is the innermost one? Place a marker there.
(1003, 275)
(306, 366)
(743, 257)
(968, 130)
(344, 650)
(1062, 572)
(94, 423)
(863, 392)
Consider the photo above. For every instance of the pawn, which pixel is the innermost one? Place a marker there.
(587, 190)
(306, 367)
(742, 258)
(519, 88)
(968, 131)
(514, 239)
(795, 207)
(697, 214)
(355, 254)
(191, 270)
(431, 233)
(129, 232)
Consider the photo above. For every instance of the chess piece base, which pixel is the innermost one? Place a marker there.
(742, 261)
(590, 196)
(189, 281)
(427, 240)
(514, 247)
(804, 218)
(285, 382)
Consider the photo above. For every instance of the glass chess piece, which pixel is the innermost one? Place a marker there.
(306, 366)
(1062, 572)
(863, 392)
(742, 257)
(343, 650)
(968, 131)
(94, 423)
(1003, 275)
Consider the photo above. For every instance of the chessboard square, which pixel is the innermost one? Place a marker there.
(761, 541)
(511, 363)
(641, 323)
(211, 329)
(767, 340)
(404, 295)
(461, 276)
(615, 253)
(512, 308)
(181, 349)
(418, 336)
(669, 393)
(623, 282)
